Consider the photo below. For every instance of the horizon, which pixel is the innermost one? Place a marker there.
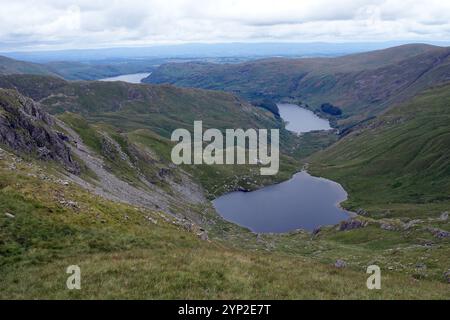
(213, 50)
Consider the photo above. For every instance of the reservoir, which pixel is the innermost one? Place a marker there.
(303, 202)
(301, 120)
(131, 78)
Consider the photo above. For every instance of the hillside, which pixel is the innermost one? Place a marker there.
(399, 163)
(129, 211)
(11, 66)
(162, 243)
(136, 111)
(362, 85)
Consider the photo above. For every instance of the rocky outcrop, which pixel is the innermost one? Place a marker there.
(26, 128)
(438, 233)
(352, 224)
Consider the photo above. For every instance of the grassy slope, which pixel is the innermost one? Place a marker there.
(362, 84)
(399, 162)
(124, 255)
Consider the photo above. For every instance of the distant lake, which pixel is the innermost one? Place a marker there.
(131, 78)
(303, 202)
(301, 120)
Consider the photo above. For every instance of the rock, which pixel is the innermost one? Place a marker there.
(447, 276)
(9, 215)
(340, 264)
(444, 216)
(411, 224)
(63, 182)
(361, 212)
(438, 233)
(388, 227)
(203, 236)
(69, 203)
(316, 231)
(26, 128)
(164, 172)
(421, 266)
(352, 224)
(154, 221)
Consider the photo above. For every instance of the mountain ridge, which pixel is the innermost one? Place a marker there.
(362, 85)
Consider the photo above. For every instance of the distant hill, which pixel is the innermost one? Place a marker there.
(399, 161)
(362, 85)
(11, 66)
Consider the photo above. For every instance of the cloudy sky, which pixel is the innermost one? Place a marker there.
(66, 24)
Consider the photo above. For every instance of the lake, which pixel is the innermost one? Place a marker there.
(303, 202)
(131, 78)
(301, 120)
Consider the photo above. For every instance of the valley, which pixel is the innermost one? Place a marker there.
(87, 178)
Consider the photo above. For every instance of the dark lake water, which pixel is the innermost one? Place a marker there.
(131, 78)
(301, 120)
(303, 202)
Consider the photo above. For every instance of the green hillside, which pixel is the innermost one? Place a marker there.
(133, 253)
(398, 163)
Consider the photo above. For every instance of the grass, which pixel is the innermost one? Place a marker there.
(398, 164)
(124, 255)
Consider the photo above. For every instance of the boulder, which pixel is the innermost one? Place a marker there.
(340, 264)
(203, 236)
(352, 224)
(388, 227)
(444, 216)
(438, 233)
(9, 215)
(447, 276)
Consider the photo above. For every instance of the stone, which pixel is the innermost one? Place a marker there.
(444, 216)
(447, 276)
(388, 227)
(421, 266)
(340, 264)
(26, 128)
(316, 231)
(203, 236)
(361, 212)
(438, 233)
(411, 224)
(9, 215)
(154, 221)
(352, 224)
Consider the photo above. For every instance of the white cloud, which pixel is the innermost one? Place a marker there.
(86, 23)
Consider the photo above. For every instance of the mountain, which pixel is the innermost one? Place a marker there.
(133, 109)
(141, 228)
(26, 128)
(361, 85)
(11, 66)
(398, 163)
(86, 178)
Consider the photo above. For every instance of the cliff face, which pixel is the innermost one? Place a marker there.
(25, 127)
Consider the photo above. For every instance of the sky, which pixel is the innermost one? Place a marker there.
(75, 24)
